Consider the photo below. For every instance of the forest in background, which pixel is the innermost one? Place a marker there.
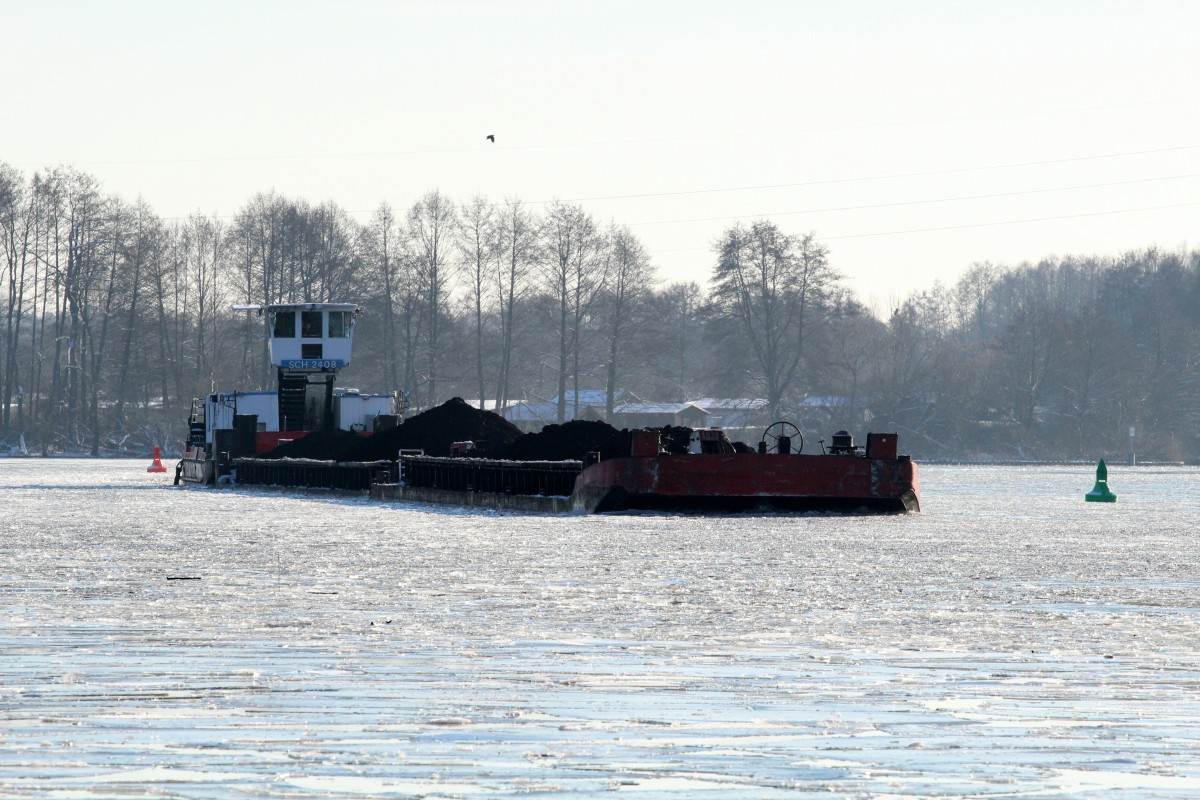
(112, 319)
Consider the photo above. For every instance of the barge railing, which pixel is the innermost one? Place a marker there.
(549, 478)
(312, 473)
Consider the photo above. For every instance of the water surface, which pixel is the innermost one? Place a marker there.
(1009, 641)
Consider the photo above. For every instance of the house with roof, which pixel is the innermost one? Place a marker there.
(592, 404)
(596, 398)
(657, 415)
(533, 415)
(735, 412)
(530, 416)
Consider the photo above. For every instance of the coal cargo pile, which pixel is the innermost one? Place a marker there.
(332, 445)
(436, 429)
(571, 441)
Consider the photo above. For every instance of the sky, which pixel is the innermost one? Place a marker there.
(913, 139)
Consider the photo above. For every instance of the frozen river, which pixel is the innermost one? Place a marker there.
(1010, 641)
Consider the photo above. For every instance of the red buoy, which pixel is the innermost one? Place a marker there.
(157, 466)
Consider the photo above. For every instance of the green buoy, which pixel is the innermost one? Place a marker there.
(1100, 493)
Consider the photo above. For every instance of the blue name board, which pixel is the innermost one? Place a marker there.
(313, 363)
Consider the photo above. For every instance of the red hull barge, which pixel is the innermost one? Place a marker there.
(709, 478)
(749, 482)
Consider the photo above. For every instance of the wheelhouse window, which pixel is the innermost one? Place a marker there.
(339, 324)
(310, 324)
(284, 326)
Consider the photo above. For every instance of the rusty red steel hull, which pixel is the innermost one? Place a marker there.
(742, 482)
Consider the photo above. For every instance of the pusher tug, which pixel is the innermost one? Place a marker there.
(308, 344)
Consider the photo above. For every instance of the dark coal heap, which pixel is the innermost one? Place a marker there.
(573, 440)
(331, 445)
(495, 437)
(570, 441)
(434, 430)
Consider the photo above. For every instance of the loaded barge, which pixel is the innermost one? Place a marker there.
(230, 432)
(711, 477)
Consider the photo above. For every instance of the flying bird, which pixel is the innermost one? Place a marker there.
(491, 137)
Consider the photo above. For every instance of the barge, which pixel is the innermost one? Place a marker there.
(711, 477)
(229, 433)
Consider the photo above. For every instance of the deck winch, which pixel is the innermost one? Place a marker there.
(842, 444)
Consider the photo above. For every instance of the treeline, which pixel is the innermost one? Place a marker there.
(112, 319)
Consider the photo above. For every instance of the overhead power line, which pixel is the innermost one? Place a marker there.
(1013, 221)
(924, 202)
(881, 177)
(990, 224)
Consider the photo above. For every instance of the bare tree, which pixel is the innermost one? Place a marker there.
(518, 241)
(479, 250)
(431, 228)
(336, 256)
(630, 275)
(910, 354)
(203, 257)
(772, 285)
(142, 243)
(575, 272)
(854, 344)
(381, 250)
(77, 231)
(16, 231)
(257, 258)
(672, 342)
